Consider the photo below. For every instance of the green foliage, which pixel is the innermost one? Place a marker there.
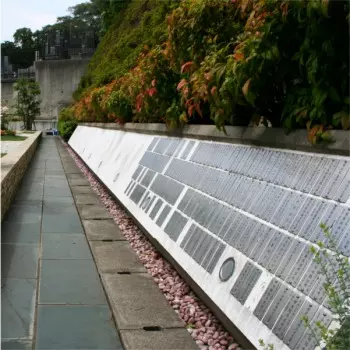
(266, 346)
(27, 102)
(108, 9)
(140, 24)
(21, 54)
(23, 38)
(225, 62)
(119, 104)
(66, 123)
(66, 128)
(336, 270)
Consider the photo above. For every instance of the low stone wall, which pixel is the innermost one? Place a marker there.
(40, 125)
(13, 167)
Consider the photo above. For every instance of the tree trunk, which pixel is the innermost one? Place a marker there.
(28, 124)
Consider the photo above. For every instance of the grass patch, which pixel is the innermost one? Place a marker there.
(12, 138)
(3, 154)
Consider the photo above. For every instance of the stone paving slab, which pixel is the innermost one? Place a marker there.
(82, 190)
(75, 176)
(70, 169)
(20, 232)
(76, 327)
(17, 307)
(86, 199)
(24, 213)
(70, 246)
(62, 200)
(63, 223)
(178, 339)
(19, 260)
(70, 282)
(11, 344)
(137, 302)
(79, 182)
(29, 195)
(58, 182)
(63, 191)
(93, 212)
(99, 230)
(113, 257)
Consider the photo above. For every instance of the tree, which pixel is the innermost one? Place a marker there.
(7, 47)
(24, 38)
(27, 102)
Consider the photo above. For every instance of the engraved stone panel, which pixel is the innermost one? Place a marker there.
(162, 145)
(188, 236)
(267, 298)
(128, 187)
(219, 249)
(288, 314)
(279, 253)
(278, 304)
(271, 247)
(137, 172)
(137, 193)
(297, 328)
(187, 150)
(245, 282)
(154, 161)
(150, 204)
(152, 144)
(175, 225)
(156, 208)
(300, 266)
(163, 215)
(289, 259)
(166, 188)
(341, 193)
(172, 147)
(308, 340)
(147, 179)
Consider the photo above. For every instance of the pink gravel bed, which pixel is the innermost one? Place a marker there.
(203, 326)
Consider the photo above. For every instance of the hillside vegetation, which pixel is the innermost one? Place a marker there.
(224, 62)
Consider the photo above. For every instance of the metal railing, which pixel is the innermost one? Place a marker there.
(68, 53)
(10, 77)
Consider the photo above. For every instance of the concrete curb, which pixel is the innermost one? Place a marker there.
(13, 167)
(258, 136)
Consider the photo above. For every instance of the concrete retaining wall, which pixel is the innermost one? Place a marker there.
(39, 125)
(238, 218)
(13, 167)
(58, 79)
(7, 94)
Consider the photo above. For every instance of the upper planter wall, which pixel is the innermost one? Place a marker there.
(239, 219)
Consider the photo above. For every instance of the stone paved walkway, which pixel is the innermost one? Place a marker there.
(52, 296)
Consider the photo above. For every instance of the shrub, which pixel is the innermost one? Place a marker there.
(66, 123)
(223, 62)
(66, 128)
(10, 132)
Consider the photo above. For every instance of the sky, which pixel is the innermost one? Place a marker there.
(33, 14)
